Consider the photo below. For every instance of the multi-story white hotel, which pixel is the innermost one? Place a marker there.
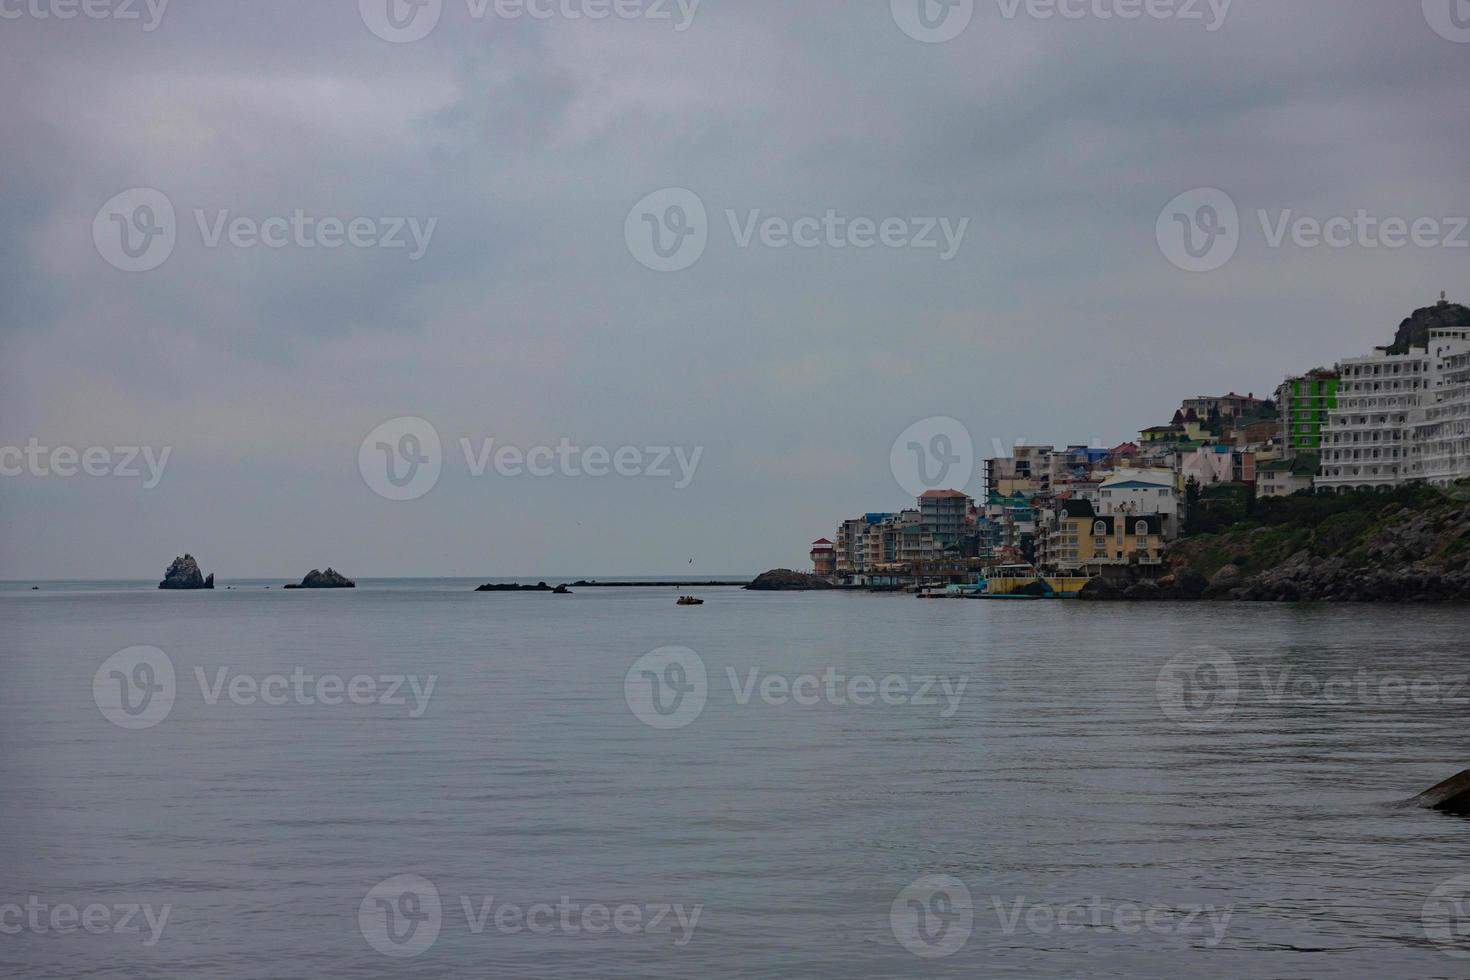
(1442, 434)
(1397, 415)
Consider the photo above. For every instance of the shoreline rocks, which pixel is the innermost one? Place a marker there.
(1407, 546)
(184, 575)
(538, 587)
(330, 579)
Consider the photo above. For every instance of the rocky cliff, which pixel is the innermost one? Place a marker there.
(1415, 330)
(1409, 545)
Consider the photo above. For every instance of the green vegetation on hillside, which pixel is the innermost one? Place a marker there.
(1356, 527)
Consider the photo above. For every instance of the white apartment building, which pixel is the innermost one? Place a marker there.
(1394, 422)
(1140, 492)
(1442, 433)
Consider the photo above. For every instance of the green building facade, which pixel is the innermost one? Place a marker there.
(1304, 405)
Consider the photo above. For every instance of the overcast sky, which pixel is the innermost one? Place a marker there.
(520, 149)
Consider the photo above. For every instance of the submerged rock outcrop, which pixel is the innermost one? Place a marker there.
(184, 574)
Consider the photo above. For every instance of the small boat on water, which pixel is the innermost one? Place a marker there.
(689, 600)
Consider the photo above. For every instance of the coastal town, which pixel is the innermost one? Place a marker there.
(1052, 519)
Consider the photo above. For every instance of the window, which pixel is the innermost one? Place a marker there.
(1141, 529)
(1099, 529)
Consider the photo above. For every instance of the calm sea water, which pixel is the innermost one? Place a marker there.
(1068, 815)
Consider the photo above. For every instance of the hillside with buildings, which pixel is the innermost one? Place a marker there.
(1230, 488)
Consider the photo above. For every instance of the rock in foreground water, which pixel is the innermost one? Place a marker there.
(1450, 796)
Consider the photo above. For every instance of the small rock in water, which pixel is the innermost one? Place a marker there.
(330, 579)
(184, 574)
(1450, 796)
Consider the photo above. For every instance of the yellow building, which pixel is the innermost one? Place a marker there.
(1078, 538)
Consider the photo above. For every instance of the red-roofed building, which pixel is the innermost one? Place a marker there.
(824, 557)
